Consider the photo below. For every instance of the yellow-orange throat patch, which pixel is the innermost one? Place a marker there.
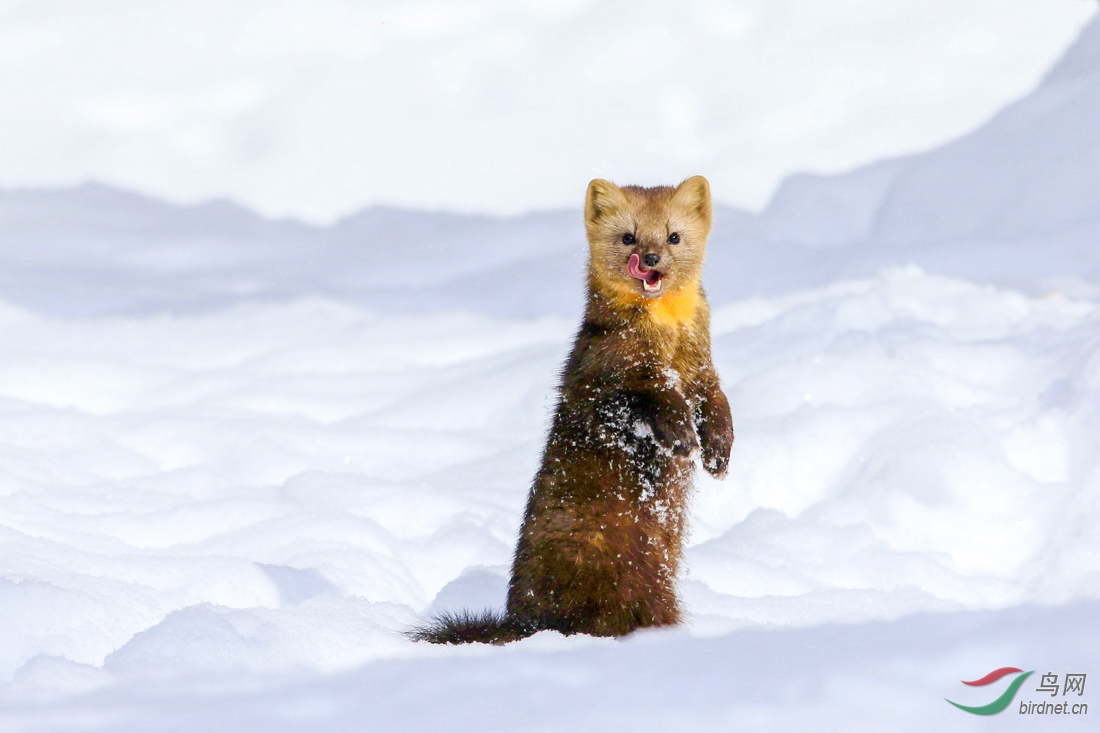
(675, 309)
(670, 310)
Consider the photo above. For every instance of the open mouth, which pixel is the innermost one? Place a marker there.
(651, 279)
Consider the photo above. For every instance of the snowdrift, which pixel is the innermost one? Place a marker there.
(1013, 203)
(240, 456)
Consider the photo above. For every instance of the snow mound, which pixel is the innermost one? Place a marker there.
(266, 449)
(1030, 173)
(286, 486)
(1012, 204)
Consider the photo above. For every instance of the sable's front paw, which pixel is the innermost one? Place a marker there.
(716, 450)
(671, 431)
(678, 437)
(716, 463)
(715, 431)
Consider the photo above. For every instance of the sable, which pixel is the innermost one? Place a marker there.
(602, 537)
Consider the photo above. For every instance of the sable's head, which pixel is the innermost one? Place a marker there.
(647, 243)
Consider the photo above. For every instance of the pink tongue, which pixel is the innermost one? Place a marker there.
(634, 267)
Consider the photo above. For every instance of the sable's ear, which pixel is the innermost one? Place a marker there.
(603, 197)
(694, 195)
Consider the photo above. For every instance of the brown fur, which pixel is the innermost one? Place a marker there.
(602, 535)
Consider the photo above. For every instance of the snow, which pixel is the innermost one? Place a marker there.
(238, 457)
(283, 487)
(311, 108)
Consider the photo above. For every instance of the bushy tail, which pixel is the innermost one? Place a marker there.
(487, 627)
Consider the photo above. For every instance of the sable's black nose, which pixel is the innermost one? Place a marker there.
(651, 260)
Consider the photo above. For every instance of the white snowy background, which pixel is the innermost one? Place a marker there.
(314, 108)
(239, 455)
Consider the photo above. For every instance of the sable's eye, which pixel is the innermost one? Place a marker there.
(674, 238)
(628, 239)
